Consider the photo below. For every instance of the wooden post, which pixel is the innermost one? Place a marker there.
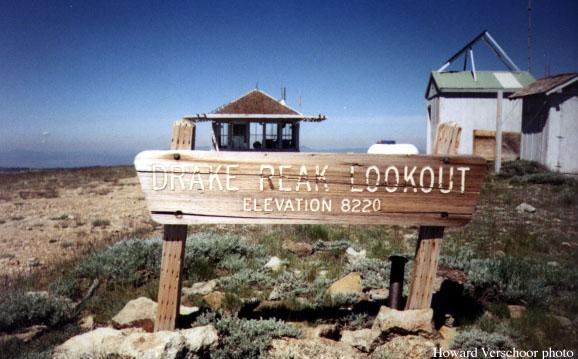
(498, 160)
(174, 239)
(430, 238)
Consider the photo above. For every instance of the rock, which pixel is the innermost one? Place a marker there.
(320, 348)
(516, 311)
(412, 321)
(128, 343)
(184, 310)
(354, 256)
(86, 322)
(350, 284)
(200, 288)
(200, 338)
(162, 344)
(300, 249)
(563, 321)
(566, 244)
(33, 262)
(525, 208)
(26, 335)
(405, 347)
(100, 342)
(319, 331)
(140, 312)
(362, 339)
(323, 273)
(275, 264)
(448, 334)
(214, 299)
(553, 264)
(379, 294)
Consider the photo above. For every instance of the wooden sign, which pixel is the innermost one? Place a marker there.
(194, 187)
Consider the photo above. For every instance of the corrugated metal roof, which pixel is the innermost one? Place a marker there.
(486, 81)
(545, 85)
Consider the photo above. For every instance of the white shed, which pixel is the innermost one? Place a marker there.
(550, 122)
(471, 102)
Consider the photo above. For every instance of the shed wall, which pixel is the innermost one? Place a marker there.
(478, 112)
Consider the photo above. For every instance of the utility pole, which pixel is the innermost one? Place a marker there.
(498, 160)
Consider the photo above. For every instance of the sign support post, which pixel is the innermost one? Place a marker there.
(174, 239)
(430, 238)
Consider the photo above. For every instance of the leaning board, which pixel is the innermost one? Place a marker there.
(195, 187)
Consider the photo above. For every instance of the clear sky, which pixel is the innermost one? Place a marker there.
(113, 75)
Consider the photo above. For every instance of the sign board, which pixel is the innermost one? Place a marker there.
(195, 187)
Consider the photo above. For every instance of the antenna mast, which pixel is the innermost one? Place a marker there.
(530, 36)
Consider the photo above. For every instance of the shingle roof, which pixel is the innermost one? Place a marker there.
(545, 85)
(486, 81)
(256, 102)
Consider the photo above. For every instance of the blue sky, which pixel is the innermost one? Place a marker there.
(113, 75)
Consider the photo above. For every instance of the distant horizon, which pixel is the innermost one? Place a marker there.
(111, 77)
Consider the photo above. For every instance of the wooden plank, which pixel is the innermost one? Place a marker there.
(485, 145)
(194, 187)
(430, 238)
(174, 240)
(169, 296)
(425, 267)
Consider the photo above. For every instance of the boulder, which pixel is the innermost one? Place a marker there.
(101, 342)
(362, 339)
(319, 348)
(525, 208)
(319, 331)
(162, 344)
(354, 256)
(448, 334)
(200, 288)
(516, 311)
(300, 249)
(200, 338)
(350, 284)
(214, 299)
(378, 294)
(86, 322)
(405, 347)
(413, 321)
(140, 312)
(275, 264)
(130, 343)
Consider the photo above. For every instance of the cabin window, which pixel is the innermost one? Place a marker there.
(256, 136)
(240, 140)
(224, 135)
(287, 136)
(270, 136)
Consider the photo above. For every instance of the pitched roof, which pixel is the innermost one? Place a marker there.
(486, 81)
(256, 102)
(547, 85)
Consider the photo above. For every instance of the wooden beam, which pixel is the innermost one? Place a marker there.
(174, 239)
(430, 238)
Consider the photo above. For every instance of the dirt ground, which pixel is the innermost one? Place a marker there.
(47, 217)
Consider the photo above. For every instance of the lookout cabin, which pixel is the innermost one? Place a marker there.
(469, 97)
(255, 122)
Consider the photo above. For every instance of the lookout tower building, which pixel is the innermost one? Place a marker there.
(255, 122)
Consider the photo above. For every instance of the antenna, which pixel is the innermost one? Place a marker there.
(257, 85)
(300, 102)
(530, 36)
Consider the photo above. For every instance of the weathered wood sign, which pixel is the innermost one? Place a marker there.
(193, 187)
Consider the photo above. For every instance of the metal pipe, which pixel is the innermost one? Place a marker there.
(396, 281)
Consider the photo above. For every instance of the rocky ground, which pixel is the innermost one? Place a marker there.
(50, 216)
(510, 278)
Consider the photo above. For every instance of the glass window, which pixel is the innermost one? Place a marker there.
(256, 136)
(224, 140)
(271, 136)
(287, 136)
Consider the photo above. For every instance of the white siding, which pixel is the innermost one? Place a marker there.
(473, 113)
